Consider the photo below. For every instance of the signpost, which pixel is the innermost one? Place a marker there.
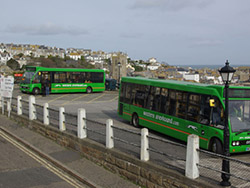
(6, 85)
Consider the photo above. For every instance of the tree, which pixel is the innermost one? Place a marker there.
(20, 55)
(13, 64)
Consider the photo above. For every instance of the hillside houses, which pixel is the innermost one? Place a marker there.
(116, 64)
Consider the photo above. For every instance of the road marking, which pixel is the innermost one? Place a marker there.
(41, 160)
(114, 99)
(82, 96)
(96, 98)
(57, 98)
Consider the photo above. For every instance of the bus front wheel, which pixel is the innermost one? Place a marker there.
(36, 91)
(89, 90)
(135, 120)
(216, 146)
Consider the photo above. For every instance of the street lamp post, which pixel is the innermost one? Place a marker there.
(119, 67)
(226, 73)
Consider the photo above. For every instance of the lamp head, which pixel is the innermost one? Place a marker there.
(227, 72)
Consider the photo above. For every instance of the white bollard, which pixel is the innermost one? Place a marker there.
(192, 157)
(144, 145)
(32, 109)
(62, 126)
(19, 105)
(109, 134)
(46, 114)
(2, 105)
(81, 124)
(9, 107)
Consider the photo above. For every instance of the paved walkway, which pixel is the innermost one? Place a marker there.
(70, 159)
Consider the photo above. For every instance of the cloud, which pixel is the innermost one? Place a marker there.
(170, 5)
(207, 42)
(45, 29)
(131, 35)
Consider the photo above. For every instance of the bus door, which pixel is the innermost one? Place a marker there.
(46, 81)
(198, 114)
(125, 98)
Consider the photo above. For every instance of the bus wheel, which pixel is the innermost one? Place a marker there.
(135, 120)
(89, 90)
(36, 91)
(216, 146)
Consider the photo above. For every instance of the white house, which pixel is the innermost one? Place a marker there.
(74, 56)
(192, 77)
(4, 57)
(182, 71)
(209, 77)
(153, 67)
(152, 60)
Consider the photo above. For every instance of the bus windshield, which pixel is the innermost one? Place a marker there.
(27, 77)
(239, 113)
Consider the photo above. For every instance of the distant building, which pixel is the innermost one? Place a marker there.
(182, 71)
(4, 57)
(192, 77)
(244, 77)
(118, 65)
(74, 56)
(152, 60)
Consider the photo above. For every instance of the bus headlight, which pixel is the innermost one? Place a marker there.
(235, 143)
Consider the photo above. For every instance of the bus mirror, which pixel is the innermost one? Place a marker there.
(211, 103)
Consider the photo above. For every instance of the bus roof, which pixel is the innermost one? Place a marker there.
(34, 68)
(216, 90)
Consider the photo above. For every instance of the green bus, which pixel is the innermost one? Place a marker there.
(62, 80)
(179, 109)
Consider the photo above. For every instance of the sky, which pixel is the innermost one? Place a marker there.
(179, 32)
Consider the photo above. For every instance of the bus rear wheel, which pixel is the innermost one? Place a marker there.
(36, 91)
(89, 90)
(135, 120)
(216, 146)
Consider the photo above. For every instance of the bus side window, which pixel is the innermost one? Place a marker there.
(127, 96)
(140, 96)
(181, 107)
(193, 107)
(37, 78)
(150, 98)
(217, 114)
(172, 103)
(164, 100)
(133, 92)
(205, 110)
(157, 99)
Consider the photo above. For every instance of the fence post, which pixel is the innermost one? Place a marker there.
(81, 123)
(2, 105)
(32, 109)
(62, 126)
(192, 157)
(109, 134)
(46, 114)
(144, 145)
(19, 105)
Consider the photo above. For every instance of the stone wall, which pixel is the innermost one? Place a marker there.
(142, 173)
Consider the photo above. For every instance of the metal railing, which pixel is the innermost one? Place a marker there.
(206, 165)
